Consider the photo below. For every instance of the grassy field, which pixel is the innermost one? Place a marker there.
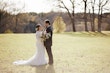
(78, 52)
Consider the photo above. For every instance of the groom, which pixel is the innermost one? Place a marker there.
(48, 42)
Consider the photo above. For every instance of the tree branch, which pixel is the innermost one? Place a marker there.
(64, 6)
(72, 2)
(105, 3)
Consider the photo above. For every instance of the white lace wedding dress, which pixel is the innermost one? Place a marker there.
(39, 57)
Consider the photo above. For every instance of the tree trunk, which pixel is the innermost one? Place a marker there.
(73, 26)
(99, 20)
(0, 19)
(93, 20)
(73, 22)
(85, 17)
(99, 23)
(69, 13)
(16, 16)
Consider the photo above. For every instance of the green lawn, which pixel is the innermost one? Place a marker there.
(79, 52)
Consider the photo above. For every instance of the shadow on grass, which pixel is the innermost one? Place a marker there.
(86, 34)
(45, 69)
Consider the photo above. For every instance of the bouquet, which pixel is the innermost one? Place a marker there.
(45, 35)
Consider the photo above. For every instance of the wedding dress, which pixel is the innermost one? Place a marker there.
(39, 57)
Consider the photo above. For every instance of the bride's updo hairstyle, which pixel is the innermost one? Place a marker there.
(37, 27)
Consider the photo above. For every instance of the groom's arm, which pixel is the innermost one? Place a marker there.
(49, 30)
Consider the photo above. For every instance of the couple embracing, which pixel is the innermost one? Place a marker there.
(44, 42)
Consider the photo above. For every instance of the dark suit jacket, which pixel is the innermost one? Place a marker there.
(48, 42)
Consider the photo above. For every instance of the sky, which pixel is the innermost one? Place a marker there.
(39, 6)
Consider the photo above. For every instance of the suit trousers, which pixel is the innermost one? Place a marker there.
(50, 55)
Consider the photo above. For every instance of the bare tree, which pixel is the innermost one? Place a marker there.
(101, 5)
(17, 11)
(14, 10)
(70, 13)
(85, 15)
(93, 2)
(10, 8)
(3, 14)
(3, 5)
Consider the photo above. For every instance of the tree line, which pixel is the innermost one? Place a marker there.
(18, 21)
(90, 5)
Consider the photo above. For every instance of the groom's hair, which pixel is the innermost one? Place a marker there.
(47, 21)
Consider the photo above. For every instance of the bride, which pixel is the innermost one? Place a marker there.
(39, 57)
